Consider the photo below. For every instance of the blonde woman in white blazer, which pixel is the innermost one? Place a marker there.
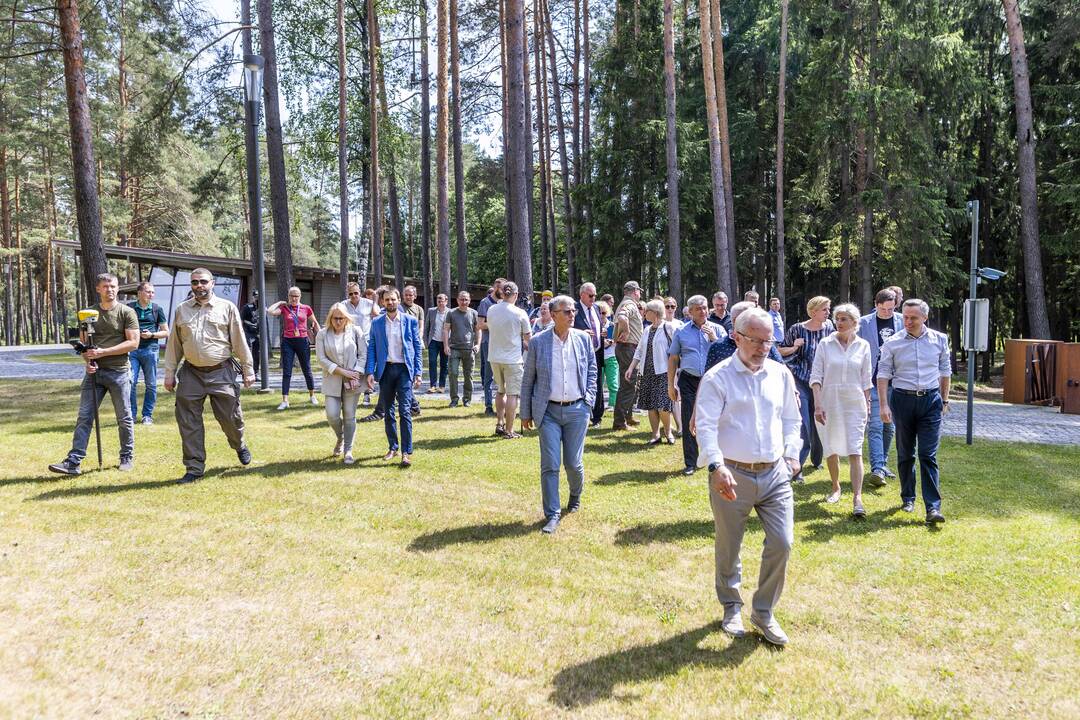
(341, 347)
(651, 357)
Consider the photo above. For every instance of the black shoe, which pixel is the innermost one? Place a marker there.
(689, 470)
(415, 411)
(453, 403)
(595, 424)
(65, 467)
(466, 403)
(908, 506)
(244, 455)
(489, 411)
(551, 525)
(372, 417)
(934, 517)
(188, 478)
(574, 505)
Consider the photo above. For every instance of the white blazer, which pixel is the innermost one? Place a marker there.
(665, 331)
(353, 358)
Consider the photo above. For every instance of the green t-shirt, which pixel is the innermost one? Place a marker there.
(109, 332)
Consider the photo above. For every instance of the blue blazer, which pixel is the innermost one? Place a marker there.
(536, 383)
(379, 346)
(868, 332)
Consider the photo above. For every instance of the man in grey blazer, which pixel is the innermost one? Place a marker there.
(875, 328)
(557, 395)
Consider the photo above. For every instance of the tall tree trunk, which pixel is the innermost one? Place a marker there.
(275, 152)
(845, 224)
(720, 79)
(375, 196)
(671, 147)
(442, 132)
(1035, 292)
(87, 203)
(781, 104)
(720, 230)
(568, 209)
(121, 126)
(586, 140)
(391, 171)
(518, 150)
(459, 164)
(541, 122)
(528, 139)
(425, 159)
(10, 328)
(545, 145)
(342, 152)
(866, 250)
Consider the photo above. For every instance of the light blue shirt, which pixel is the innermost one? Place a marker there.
(691, 346)
(915, 363)
(777, 325)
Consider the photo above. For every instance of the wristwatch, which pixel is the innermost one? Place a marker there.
(713, 467)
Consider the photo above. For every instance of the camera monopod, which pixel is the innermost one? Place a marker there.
(87, 320)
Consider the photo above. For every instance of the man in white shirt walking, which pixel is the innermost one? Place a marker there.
(748, 432)
(508, 332)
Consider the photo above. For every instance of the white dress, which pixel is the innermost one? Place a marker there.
(843, 376)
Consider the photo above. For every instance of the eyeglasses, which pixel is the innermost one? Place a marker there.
(200, 281)
(756, 342)
(353, 293)
(590, 294)
(671, 307)
(569, 311)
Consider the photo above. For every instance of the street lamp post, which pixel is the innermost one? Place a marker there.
(253, 77)
(976, 314)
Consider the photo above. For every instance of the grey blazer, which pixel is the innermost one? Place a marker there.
(429, 323)
(355, 358)
(536, 384)
(868, 332)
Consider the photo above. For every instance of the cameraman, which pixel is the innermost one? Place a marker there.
(116, 333)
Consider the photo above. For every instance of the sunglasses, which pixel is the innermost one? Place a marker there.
(671, 307)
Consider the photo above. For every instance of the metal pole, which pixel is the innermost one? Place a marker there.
(973, 212)
(251, 117)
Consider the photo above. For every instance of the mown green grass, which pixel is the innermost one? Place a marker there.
(300, 587)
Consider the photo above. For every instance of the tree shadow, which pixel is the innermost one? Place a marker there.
(597, 679)
(639, 477)
(453, 442)
(648, 533)
(71, 492)
(845, 525)
(49, 478)
(471, 534)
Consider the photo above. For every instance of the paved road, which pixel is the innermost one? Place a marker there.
(993, 421)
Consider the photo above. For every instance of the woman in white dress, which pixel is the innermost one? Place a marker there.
(841, 381)
(341, 348)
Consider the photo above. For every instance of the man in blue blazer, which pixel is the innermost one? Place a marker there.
(588, 319)
(393, 359)
(875, 328)
(557, 395)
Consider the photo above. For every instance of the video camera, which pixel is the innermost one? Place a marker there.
(87, 320)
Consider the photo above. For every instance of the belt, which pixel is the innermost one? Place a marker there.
(751, 467)
(208, 368)
(564, 404)
(916, 393)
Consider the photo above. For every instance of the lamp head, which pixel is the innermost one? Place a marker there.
(253, 77)
(989, 273)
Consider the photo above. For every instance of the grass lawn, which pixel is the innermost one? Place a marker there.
(300, 587)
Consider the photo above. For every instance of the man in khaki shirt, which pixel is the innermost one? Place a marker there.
(628, 329)
(207, 334)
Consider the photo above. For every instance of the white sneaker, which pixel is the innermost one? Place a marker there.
(147, 420)
(349, 458)
(314, 400)
(284, 405)
(833, 498)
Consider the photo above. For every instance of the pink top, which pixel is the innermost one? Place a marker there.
(294, 320)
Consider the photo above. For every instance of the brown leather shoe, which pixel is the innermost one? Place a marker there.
(390, 455)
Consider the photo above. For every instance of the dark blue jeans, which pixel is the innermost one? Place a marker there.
(436, 356)
(811, 443)
(144, 359)
(396, 385)
(486, 378)
(688, 387)
(918, 426)
(300, 349)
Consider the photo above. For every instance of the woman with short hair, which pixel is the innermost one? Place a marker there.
(341, 348)
(840, 380)
(651, 357)
(298, 324)
(798, 349)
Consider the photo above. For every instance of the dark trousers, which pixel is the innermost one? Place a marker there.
(436, 356)
(627, 396)
(192, 389)
(598, 406)
(256, 354)
(300, 349)
(918, 425)
(811, 443)
(486, 378)
(688, 386)
(395, 387)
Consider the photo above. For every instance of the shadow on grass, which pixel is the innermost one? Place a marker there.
(49, 478)
(639, 477)
(471, 534)
(648, 533)
(453, 443)
(71, 492)
(596, 680)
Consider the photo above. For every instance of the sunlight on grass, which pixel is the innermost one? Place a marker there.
(300, 587)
